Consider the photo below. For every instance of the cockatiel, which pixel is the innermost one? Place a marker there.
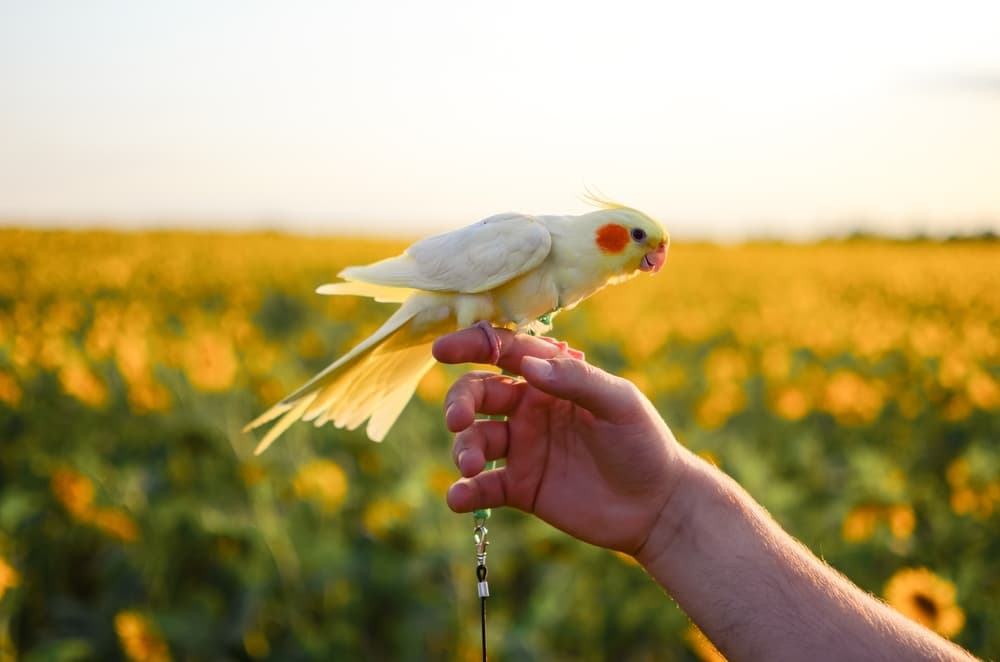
(511, 270)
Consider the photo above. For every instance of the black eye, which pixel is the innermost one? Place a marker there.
(638, 234)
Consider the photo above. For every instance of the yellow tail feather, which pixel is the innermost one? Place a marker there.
(373, 381)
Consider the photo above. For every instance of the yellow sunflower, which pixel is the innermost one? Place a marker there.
(8, 577)
(139, 638)
(74, 491)
(382, 515)
(922, 596)
(323, 482)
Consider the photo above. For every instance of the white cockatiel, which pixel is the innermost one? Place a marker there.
(507, 270)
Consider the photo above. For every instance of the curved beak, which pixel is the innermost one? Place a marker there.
(653, 260)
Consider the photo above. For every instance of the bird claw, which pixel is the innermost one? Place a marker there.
(492, 339)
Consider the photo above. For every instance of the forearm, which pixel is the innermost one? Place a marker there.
(759, 594)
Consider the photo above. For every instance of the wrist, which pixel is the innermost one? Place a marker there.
(676, 515)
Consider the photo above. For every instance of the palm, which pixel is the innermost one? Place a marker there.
(610, 500)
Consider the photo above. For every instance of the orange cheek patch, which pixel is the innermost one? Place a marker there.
(612, 238)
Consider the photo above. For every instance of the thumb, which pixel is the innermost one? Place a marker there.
(612, 398)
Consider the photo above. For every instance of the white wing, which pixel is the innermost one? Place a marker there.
(472, 259)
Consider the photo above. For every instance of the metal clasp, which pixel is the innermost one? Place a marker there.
(479, 535)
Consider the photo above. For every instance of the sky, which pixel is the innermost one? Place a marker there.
(722, 119)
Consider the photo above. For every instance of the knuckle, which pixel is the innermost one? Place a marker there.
(462, 438)
(465, 385)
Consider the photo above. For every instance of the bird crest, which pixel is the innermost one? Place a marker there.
(601, 201)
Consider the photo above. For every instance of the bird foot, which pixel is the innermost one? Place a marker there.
(491, 338)
(563, 346)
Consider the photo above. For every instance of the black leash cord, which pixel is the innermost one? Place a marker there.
(481, 576)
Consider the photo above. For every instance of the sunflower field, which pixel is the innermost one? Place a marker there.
(852, 387)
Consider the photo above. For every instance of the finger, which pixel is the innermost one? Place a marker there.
(472, 346)
(480, 392)
(487, 490)
(608, 397)
(484, 440)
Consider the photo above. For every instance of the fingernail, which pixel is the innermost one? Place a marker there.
(535, 367)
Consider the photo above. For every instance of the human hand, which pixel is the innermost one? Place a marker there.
(585, 450)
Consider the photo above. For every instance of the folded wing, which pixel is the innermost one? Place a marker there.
(472, 259)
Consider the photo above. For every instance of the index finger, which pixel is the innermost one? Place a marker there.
(472, 346)
(480, 392)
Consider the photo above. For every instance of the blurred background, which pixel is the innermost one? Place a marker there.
(176, 180)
